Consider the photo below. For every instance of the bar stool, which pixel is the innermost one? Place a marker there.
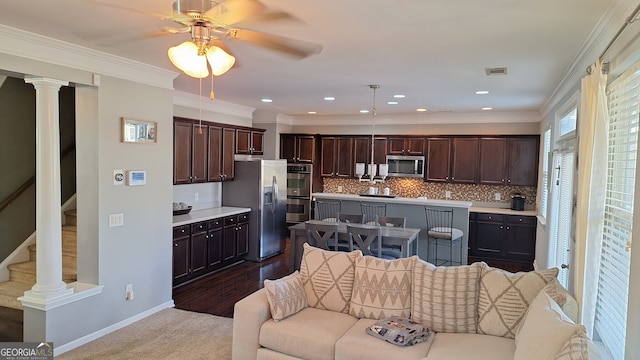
(441, 233)
(372, 210)
(327, 210)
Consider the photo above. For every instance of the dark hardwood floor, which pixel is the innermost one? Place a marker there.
(217, 293)
(10, 325)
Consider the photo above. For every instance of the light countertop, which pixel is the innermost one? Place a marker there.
(421, 201)
(207, 214)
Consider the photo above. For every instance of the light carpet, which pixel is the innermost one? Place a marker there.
(167, 334)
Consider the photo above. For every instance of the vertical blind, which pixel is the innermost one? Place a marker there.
(613, 284)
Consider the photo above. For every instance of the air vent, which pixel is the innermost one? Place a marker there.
(496, 71)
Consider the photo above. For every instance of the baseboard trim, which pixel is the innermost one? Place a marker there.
(58, 350)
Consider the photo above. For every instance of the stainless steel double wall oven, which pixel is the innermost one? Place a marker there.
(299, 178)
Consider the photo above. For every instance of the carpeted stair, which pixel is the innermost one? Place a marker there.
(22, 276)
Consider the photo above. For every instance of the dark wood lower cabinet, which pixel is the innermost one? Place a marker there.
(206, 246)
(498, 238)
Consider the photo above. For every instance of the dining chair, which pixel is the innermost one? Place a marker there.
(363, 238)
(351, 218)
(327, 210)
(343, 244)
(372, 210)
(322, 235)
(441, 233)
(392, 221)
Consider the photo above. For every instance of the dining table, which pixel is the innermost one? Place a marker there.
(405, 238)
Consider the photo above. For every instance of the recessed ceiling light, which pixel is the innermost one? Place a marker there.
(329, 98)
(392, 102)
(399, 96)
(364, 111)
(487, 108)
(311, 112)
(265, 100)
(421, 110)
(482, 92)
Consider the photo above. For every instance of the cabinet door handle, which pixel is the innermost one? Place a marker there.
(175, 245)
(501, 227)
(507, 228)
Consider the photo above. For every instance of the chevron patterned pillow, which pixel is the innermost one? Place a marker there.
(327, 277)
(504, 298)
(286, 296)
(382, 288)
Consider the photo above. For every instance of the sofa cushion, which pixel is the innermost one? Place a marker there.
(310, 334)
(356, 344)
(286, 296)
(382, 288)
(327, 277)
(445, 298)
(555, 291)
(449, 346)
(545, 330)
(504, 298)
(576, 348)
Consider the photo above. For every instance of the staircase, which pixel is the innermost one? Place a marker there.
(22, 276)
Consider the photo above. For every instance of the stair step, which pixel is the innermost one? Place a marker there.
(10, 291)
(25, 272)
(71, 217)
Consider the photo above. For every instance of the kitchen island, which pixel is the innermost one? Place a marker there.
(413, 210)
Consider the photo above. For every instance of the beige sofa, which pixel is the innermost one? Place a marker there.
(474, 311)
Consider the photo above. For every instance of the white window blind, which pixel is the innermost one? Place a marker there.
(613, 284)
(565, 214)
(544, 192)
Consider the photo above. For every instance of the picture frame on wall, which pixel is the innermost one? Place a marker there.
(139, 131)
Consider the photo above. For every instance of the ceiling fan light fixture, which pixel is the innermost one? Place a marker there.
(219, 60)
(185, 57)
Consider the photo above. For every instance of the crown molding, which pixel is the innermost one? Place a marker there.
(221, 107)
(612, 20)
(485, 117)
(45, 49)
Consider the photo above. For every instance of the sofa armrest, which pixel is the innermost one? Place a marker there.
(248, 316)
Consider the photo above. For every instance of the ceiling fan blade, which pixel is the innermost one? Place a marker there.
(126, 8)
(270, 16)
(296, 48)
(234, 11)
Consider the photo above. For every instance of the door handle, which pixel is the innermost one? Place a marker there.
(564, 266)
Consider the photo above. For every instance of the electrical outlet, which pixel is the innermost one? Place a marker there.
(128, 292)
(197, 196)
(447, 194)
(497, 196)
(339, 188)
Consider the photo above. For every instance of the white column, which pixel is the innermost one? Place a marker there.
(49, 284)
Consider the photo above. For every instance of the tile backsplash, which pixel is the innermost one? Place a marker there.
(412, 188)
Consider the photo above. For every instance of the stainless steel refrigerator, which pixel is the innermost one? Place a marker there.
(262, 186)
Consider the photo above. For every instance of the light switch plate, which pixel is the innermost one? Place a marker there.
(116, 220)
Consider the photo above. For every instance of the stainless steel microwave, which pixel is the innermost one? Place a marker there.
(405, 166)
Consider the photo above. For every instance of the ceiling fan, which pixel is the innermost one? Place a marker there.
(211, 23)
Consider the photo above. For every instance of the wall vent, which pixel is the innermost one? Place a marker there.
(496, 71)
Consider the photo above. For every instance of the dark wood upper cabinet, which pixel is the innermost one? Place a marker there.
(464, 155)
(336, 156)
(182, 153)
(190, 153)
(249, 142)
(508, 161)
(228, 146)
(221, 151)
(362, 152)
(452, 159)
(492, 161)
(297, 148)
(438, 159)
(406, 145)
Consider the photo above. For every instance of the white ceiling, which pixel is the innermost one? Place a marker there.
(433, 51)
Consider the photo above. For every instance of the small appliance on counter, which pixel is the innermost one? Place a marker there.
(181, 208)
(517, 202)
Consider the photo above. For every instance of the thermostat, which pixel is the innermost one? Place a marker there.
(136, 177)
